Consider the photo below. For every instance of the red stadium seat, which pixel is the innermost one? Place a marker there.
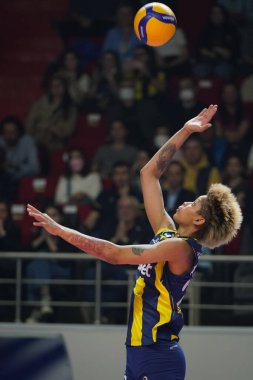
(37, 188)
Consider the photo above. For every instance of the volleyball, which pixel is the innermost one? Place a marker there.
(155, 24)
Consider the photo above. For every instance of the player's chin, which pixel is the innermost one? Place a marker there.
(175, 216)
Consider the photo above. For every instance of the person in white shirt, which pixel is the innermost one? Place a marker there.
(77, 185)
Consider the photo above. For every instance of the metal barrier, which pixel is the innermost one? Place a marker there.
(192, 301)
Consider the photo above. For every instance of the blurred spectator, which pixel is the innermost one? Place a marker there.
(232, 122)
(85, 19)
(45, 270)
(116, 150)
(241, 13)
(150, 86)
(10, 241)
(161, 135)
(77, 185)
(199, 173)
(247, 89)
(7, 185)
(122, 38)
(21, 151)
(142, 158)
(105, 80)
(10, 235)
(214, 146)
(52, 118)
(247, 231)
(174, 193)
(186, 105)
(106, 209)
(234, 177)
(218, 49)
(69, 67)
(174, 56)
(125, 108)
(130, 227)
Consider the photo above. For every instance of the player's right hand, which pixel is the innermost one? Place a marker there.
(43, 220)
(202, 121)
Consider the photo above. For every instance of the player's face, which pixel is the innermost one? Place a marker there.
(189, 212)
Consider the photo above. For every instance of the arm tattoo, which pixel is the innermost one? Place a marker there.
(137, 251)
(95, 247)
(164, 157)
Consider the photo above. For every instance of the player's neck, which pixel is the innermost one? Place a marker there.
(186, 230)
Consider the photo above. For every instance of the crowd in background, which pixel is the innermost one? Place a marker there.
(79, 152)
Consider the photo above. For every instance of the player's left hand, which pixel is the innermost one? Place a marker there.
(201, 122)
(43, 220)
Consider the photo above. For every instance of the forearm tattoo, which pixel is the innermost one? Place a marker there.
(95, 247)
(164, 157)
(137, 251)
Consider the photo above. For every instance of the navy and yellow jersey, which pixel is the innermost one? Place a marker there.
(155, 303)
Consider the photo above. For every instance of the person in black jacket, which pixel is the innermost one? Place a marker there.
(10, 241)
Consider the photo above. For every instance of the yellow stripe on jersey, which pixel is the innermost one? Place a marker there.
(136, 331)
(163, 305)
(164, 229)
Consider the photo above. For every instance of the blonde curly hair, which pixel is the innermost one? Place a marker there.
(223, 217)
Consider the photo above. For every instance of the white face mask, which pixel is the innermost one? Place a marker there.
(126, 93)
(159, 140)
(186, 94)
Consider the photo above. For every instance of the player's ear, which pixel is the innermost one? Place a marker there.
(199, 221)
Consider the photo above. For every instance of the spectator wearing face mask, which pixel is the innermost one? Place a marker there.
(77, 185)
(187, 104)
(125, 108)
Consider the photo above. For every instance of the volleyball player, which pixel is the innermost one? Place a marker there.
(167, 264)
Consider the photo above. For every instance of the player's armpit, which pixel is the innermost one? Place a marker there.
(171, 250)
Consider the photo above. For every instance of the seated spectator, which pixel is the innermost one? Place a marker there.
(142, 158)
(122, 38)
(241, 13)
(215, 147)
(131, 227)
(247, 231)
(10, 235)
(7, 185)
(10, 241)
(47, 269)
(199, 173)
(246, 89)
(116, 150)
(84, 19)
(124, 107)
(174, 193)
(174, 56)
(69, 67)
(52, 118)
(234, 177)
(20, 149)
(150, 87)
(105, 80)
(232, 122)
(218, 49)
(77, 185)
(186, 105)
(106, 208)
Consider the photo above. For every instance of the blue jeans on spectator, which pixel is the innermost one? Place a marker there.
(44, 270)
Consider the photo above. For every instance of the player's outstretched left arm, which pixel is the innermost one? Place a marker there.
(153, 170)
(171, 250)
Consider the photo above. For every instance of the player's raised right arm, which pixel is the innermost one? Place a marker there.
(153, 170)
